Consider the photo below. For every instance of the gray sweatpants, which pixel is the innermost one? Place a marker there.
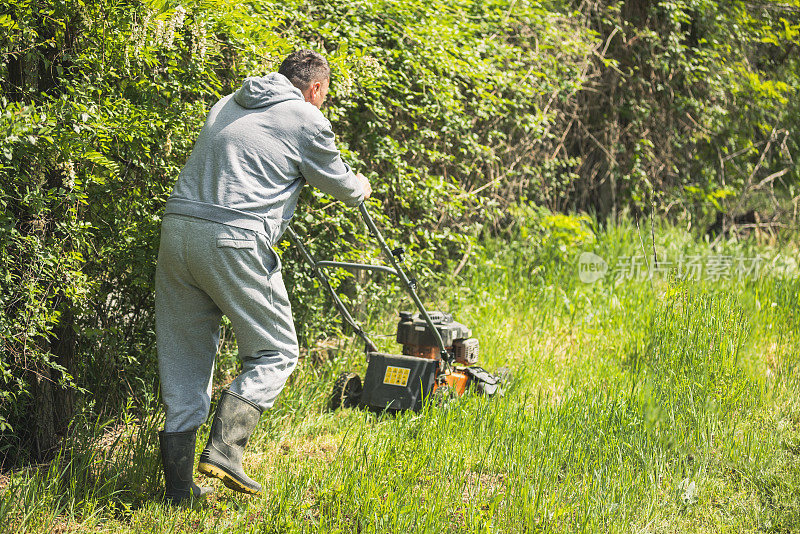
(207, 269)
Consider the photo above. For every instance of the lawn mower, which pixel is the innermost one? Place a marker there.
(438, 358)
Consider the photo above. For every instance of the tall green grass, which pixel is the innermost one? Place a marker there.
(104, 469)
(644, 405)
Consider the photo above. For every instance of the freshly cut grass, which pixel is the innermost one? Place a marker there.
(661, 405)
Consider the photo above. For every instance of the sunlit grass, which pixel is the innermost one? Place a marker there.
(661, 405)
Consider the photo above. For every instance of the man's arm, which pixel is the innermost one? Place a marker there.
(322, 167)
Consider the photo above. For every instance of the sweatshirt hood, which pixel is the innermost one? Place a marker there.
(263, 91)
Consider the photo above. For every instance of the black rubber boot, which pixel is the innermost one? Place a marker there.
(234, 422)
(177, 459)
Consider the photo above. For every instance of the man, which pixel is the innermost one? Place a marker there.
(231, 203)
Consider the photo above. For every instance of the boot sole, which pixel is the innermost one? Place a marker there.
(230, 482)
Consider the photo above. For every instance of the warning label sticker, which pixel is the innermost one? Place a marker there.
(396, 376)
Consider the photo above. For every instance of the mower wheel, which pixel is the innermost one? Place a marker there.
(346, 391)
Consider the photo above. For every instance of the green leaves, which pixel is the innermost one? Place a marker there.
(102, 161)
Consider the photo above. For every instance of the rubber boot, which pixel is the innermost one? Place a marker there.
(234, 422)
(177, 459)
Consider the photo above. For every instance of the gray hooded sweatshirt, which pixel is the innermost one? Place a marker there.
(254, 153)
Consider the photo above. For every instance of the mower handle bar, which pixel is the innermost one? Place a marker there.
(337, 302)
(396, 270)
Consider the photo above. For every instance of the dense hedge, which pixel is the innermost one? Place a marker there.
(455, 110)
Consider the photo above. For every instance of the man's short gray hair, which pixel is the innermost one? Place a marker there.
(305, 67)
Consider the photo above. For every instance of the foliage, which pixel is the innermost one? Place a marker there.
(699, 98)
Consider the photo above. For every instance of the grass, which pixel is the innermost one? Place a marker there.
(663, 405)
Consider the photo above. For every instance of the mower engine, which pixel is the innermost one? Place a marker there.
(403, 381)
(417, 339)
